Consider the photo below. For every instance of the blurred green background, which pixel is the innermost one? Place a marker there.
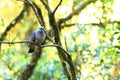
(92, 38)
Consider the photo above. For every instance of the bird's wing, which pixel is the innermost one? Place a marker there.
(32, 38)
(30, 45)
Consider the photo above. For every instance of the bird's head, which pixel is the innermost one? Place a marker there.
(40, 27)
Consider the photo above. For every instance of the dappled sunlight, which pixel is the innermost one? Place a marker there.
(94, 37)
(116, 12)
(89, 34)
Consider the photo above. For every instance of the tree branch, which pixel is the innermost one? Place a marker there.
(22, 41)
(26, 41)
(27, 71)
(101, 24)
(33, 43)
(73, 24)
(76, 11)
(13, 22)
(57, 7)
(46, 5)
(34, 9)
(40, 14)
(63, 55)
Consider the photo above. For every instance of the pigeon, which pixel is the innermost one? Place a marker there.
(38, 37)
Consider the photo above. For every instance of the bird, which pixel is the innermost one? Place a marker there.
(38, 37)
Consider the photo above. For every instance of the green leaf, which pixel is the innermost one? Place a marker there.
(118, 38)
(116, 32)
(117, 47)
(107, 1)
(118, 27)
(107, 30)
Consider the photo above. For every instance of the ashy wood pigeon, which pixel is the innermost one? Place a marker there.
(38, 37)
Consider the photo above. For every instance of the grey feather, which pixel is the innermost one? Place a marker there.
(30, 45)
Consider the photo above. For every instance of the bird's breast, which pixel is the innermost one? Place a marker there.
(40, 37)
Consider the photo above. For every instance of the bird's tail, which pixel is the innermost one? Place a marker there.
(31, 50)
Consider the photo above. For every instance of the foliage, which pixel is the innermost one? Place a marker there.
(91, 38)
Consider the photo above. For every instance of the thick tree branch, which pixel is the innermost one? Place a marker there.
(76, 11)
(27, 71)
(63, 55)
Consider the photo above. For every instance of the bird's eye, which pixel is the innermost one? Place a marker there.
(41, 29)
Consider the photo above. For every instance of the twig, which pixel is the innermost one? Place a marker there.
(27, 41)
(33, 43)
(22, 41)
(15, 37)
(66, 43)
(57, 7)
